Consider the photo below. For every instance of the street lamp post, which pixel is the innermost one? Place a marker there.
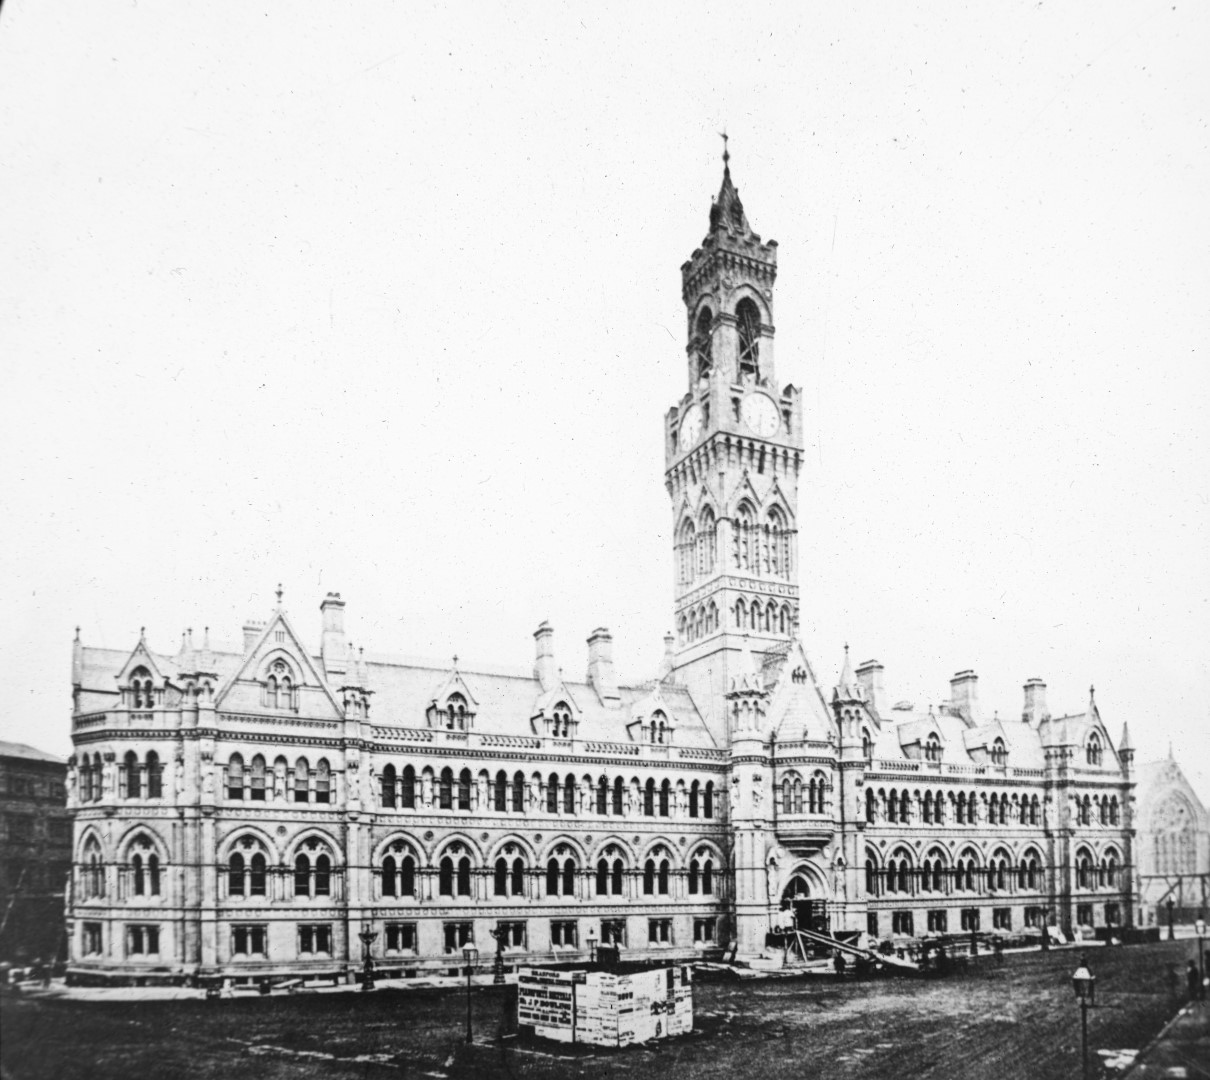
(1200, 926)
(471, 955)
(498, 935)
(1045, 930)
(1084, 983)
(367, 936)
(592, 947)
(1171, 932)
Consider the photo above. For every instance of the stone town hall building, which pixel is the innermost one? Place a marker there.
(247, 812)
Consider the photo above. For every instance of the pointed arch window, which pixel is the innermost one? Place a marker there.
(618, 802)
(649, 799)
(399, 871)
(302, 781)
(708, 800)
(702, 345)
(256, 778)
(500, 793)
(706, 549)
(686, 545)
(388, 786)
(142, 689)
(552, 794)
(464, 789)
(1095, 752)
(569, 794)
(445, 791)
(561, 723)
(518, 793)
(155, 776)
(407, 788)
(132, 774)
(932, 748)
(747, 317)
(602, 796)
(323, 781)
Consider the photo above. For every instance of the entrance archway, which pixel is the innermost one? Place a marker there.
(805, 912)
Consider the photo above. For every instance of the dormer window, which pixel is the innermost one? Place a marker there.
(999, 753)
(561, 723)
(280, 687)
(142, 689)
(1094, 750)
(932, 748)
(659, 731)
(455, 713)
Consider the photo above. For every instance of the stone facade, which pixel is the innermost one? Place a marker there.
(248, 811)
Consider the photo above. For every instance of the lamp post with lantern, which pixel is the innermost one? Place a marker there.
(1084, 983)
(592, 947)
(471, 955)
(367, 936)
(1200, 927)
(1171, 932)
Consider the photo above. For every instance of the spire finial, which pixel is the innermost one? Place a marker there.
(726, 153)
(142, 632)
(279, 593)
(455, 661)
(1092, 691)
(78, 634)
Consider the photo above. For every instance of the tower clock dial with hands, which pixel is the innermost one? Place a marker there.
(759, 414)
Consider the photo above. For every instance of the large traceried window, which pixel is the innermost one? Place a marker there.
(686, 548)
(706, 541)
(144, 867)
(279, 687)
(247, 868)
(399, 870)
(313, 869)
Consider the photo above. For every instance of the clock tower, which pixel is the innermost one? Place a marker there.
(732, 453)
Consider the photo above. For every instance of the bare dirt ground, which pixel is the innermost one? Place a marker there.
(1018, 1020)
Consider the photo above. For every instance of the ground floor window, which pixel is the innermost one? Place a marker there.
(970, 918)
(92, 939)
(871, 923)
(1002, 918)
(659, 931)
(938, 921)
(142, 940)
(512, 934)
(248, 940)
(1113, 915)
(564, 932)
(613, 932)
(401, 937)
(315, 939)
(458, 934)
(703, 931)
(901, 922)
(1084, 914)
(1033, 916)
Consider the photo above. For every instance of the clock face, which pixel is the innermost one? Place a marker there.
(759, 414)
(691, 428)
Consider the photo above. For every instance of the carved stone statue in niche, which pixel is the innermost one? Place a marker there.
(772, 876)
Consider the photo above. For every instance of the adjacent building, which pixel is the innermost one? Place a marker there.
(1173, 845)
(35, 854)
(248, 811)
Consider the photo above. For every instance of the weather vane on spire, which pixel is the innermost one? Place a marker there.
(726, 153)
(279, 592)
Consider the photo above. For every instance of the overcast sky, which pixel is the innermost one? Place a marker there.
(385, 299)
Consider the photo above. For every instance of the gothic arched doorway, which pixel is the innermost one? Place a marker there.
(804, 912)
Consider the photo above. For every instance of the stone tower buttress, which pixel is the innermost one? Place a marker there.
(733, 453)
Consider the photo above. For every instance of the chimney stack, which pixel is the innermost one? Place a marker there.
(964, 696)
(333, 650)
(869, 675)
(600, 668)
(252, 630)
(545, 670)
(1035, 702)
